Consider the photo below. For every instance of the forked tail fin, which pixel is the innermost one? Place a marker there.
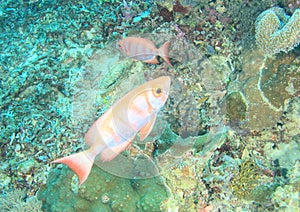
(81, 163)
(163, 52)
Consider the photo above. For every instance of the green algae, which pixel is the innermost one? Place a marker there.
(101, 192)
(263, 193)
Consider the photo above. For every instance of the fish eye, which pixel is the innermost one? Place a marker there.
(157, 92)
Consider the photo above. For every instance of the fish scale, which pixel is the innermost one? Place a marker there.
(144, 50)
(115, 130)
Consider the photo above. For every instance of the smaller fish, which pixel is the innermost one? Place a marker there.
(144, 50)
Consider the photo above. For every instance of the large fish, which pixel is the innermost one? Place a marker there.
(144, 49)
(114, 131)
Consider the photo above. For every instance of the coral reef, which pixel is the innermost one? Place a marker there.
(275, 31)
(251, 184)
(287, 197)
(183, 178)
(46, 46)
(291, 118)
(227, 139)
(108, 78)
(286, 154)
(18, 201)
(101, 192)
(239, 174)
(264, 88)
(182, 168)
(236, 106)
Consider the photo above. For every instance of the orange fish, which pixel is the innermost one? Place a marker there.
(144, 49)
(114, 131)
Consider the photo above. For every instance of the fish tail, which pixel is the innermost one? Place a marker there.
(164, 52)
(81, 163)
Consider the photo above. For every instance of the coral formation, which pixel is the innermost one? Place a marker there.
(184, 174)
(183, 178)
(249, 178)
(280, 76)
(236, 107)
(291, 118)
(57, 78)
(264, 87)
(275, 31)
(287, 197)
(17, 200)
(287, 154)
(101, 192)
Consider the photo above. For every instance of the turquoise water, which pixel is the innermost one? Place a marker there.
(227, 139)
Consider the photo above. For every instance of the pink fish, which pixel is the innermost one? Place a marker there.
(144, 49)
(114, 131)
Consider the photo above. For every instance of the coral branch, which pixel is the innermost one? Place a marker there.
(275, 31)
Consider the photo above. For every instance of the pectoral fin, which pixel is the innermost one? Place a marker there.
(146, 129)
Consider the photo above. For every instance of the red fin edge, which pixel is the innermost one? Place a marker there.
(81, 163)
(164, 52)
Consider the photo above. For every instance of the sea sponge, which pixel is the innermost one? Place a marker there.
(275, 31)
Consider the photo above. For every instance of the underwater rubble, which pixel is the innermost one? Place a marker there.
(226, 140)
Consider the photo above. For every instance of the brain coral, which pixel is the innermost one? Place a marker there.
(275, 31)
